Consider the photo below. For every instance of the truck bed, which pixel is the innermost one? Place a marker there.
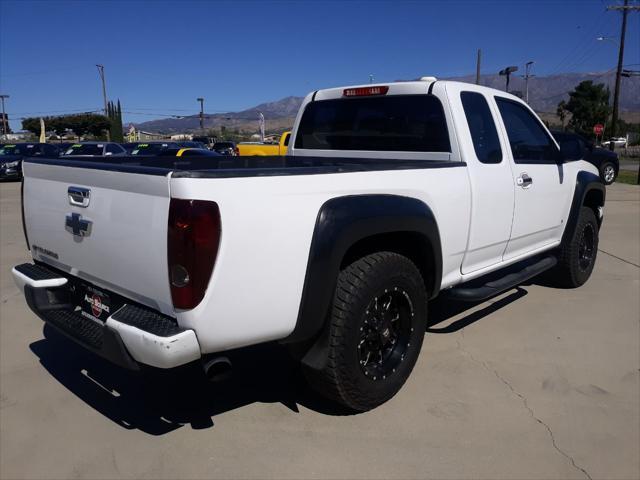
(228, 167)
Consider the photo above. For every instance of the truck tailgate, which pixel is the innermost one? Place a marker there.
(120, 238)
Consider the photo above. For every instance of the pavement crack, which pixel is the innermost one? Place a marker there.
(526, 405)
(541, 422)
(619, 258)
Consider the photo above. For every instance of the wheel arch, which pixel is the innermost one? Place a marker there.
(350, 227)
(589, 192)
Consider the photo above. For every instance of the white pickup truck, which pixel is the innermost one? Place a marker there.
(390, 196)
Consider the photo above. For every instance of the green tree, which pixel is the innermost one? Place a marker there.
(57, 124)
(32, 125)
(84, 123)
(561, 112)
(588, 104)
(114, 113)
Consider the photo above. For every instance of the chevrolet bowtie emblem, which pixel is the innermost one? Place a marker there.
(76, 225)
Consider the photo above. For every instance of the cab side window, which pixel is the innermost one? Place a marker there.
(49, 150)
(113, 149)
(529, 141)
(482, 127)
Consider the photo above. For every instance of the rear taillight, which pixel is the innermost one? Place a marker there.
(365, 91)
(237, 151)
(192, 247)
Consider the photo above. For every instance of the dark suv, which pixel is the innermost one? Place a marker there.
(576, 147)
(11, 155)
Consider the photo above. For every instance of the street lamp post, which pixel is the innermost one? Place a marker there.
(4, 116)
(201, 100)
(527, 76)
(507, 72)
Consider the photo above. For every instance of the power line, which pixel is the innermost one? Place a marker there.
(89, 109)
(577, 47)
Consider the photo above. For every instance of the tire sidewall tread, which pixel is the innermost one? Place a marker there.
(342, 378)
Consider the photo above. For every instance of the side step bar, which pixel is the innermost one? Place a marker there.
(509, 279)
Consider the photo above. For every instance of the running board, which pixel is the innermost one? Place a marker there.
(509, 279)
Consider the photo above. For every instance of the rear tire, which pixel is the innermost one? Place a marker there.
(376, 327)
(578, 256)
(608, 173)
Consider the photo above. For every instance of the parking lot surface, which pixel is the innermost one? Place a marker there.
(536, 383)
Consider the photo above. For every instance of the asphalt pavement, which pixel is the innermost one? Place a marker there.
(538, 383)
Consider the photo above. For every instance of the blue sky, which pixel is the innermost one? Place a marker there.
(159, 56)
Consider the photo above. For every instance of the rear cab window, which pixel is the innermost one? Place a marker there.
(481, 127)
(395, 123)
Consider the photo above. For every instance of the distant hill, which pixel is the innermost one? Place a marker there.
(546, 92)
(544, 95)
(279, 116)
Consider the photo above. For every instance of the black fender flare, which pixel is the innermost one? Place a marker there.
(340, 224)
(586, 182)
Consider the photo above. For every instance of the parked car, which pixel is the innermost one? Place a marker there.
(12, 154)
(63, 147)
(225, 148)
(191, 144)
(576, 147)
(265, 149)
(129, 146)
(196, 152)
(390, 195)
(95, 149)
(153, 149)
(206, 141)
(617, 142)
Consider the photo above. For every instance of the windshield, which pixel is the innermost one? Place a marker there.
(151, 148)
(18, 150)
(401, 123)
(223, 145)
(85, 149)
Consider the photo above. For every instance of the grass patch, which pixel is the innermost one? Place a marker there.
(625, 176)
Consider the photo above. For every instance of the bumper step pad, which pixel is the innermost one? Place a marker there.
(131, 336)
(147, 320)
(78, 327)
(36, 272)
(36, 276)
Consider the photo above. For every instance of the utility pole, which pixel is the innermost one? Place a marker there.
(616, 94)
(4, 116)
(478, 59)
(201, 100)
(527, 76)
(104, 94)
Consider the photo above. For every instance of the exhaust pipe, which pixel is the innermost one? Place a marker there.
(217, 369)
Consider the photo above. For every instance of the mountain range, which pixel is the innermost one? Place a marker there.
(544, 95)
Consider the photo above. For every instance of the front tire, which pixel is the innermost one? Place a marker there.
(608, 173)
(376, 328)
(578, 256)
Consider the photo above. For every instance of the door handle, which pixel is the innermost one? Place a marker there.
(524, 180)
